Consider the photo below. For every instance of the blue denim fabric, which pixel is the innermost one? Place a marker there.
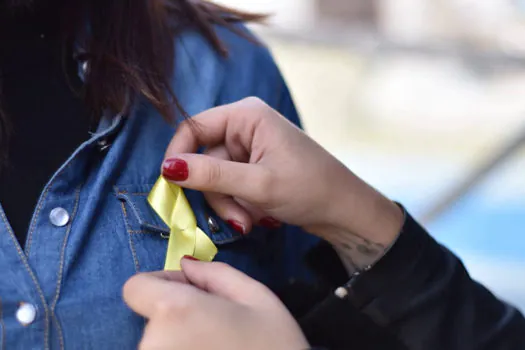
(74, 274)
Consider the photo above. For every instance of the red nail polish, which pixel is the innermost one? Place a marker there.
(189, 257)
(237, 226)
(270, 222)
(175, 169)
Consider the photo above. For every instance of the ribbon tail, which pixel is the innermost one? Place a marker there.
(205, 250)
(180, 244)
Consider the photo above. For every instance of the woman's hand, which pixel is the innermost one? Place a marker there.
(258, 168)
(210, 306)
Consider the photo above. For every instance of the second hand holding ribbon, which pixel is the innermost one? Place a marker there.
(186, 239)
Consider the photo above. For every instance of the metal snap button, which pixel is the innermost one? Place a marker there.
(59, 217)
(26, 314)
(213, 224)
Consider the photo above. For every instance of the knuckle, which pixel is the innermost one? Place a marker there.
(214, 173)
(132, 287)
(254, 102)
(183, 127)
(165, 307)
(183, 124)
(172, 309)
(128, 288)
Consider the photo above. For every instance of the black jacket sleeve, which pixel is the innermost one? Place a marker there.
(419, 296)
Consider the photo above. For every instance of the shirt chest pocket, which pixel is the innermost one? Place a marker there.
(148, 235)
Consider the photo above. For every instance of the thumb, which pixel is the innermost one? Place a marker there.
(224, 281)
(209, 174)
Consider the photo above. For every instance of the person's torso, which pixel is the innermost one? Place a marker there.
(92, 227)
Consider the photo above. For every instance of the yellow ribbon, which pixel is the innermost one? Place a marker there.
(186, 239)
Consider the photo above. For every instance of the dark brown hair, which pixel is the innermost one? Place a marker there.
(130, 48)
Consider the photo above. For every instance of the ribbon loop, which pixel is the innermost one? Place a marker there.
(186, 239)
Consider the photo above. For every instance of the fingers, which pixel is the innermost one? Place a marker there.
(142, 292)
(258, 217)
(172, 276)
(224, 281)
(230, 211)
(251, 182)
(224, 205)
(214, 126)
(233, 127)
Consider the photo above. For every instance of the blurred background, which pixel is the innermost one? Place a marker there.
(425, 99)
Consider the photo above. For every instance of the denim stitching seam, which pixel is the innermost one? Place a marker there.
(33, 277)
(130, 240)
(34, 220)
(61, 267)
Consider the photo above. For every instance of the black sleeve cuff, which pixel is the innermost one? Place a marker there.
(341, 322)
(408, 261)
(337, 324)
(412, 247)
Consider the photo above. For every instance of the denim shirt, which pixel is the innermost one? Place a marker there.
(92, 228)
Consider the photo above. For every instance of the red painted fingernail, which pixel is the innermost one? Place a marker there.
(237, 226)
(270, 222)
(189, 257)
(175, 169)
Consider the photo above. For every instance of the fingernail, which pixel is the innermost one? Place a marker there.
(270, 222)
(175, 169)
(189, 257)
(237, 226)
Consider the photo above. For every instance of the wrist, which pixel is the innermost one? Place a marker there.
(362, 225)
(364, 212)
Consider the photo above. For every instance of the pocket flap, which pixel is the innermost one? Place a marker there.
(141, 218)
